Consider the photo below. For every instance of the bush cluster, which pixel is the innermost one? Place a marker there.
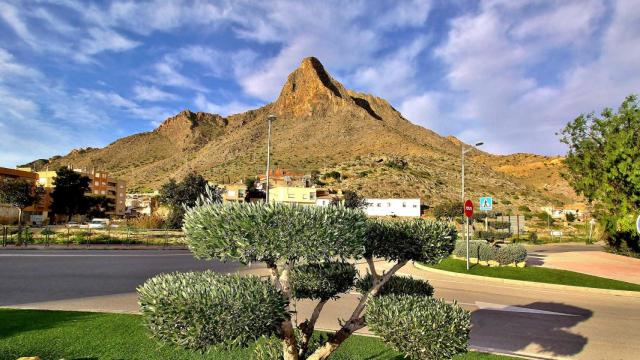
(426, 329)
(397, 285)
(322, 281)
(461, 248)
(198, 310)
(483, 251)
(512, 253)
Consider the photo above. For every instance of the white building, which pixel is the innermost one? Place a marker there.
(393, 207)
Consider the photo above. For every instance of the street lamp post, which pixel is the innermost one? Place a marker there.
(462, 152)
(270, 119)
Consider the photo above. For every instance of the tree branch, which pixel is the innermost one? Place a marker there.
(309, 325)
(372, 269)
(356, 321)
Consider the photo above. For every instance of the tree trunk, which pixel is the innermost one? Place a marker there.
(356, 321)
(19, 218)
(308, 326)
(289, 343)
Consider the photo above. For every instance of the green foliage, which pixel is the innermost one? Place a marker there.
(178, 195)
(571, 217)
(397, 163)
(148, 222)
(604, 165)
(99, 205)
(487, 252)
(332, 175)
(512, 253)
(249, 232)
(420, 327)
(397, 285)
(493, 235)
(322, 281)
(352, 200)
(68, 196)
(418, 240)
(448, 210)
(524, 208)
(461, 248)
(18, 193)
(198, 310)
(506, 202)
(500, 225)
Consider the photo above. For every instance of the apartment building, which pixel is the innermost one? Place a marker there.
(293, 195)
(9, 214)
(234, 192)
(393, 207)
(100, 184)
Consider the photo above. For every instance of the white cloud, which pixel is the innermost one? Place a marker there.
(9, 66)
(12, 17)
(100, 40)
(491, 59)
(231, 108)
(425, 109)
(152, 93)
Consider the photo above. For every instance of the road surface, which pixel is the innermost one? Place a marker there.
(530, 321)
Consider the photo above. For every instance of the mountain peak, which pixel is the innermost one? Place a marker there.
(307, 87)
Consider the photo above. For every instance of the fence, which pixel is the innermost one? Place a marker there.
(13, 235)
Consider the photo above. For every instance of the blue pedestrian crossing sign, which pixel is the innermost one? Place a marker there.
(486, 203)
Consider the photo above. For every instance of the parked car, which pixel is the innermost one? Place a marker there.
(97, 224)
(73, 224)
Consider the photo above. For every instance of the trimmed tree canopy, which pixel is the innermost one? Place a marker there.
(249, 232)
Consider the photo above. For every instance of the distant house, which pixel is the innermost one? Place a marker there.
(393, 207)
(141, 204)
(577, 210)
(234, 192)
(293, 195)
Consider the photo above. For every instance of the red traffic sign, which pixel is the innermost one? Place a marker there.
(468, 208)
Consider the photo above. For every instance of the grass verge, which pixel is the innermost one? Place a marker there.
(80, 335)
(536, 274)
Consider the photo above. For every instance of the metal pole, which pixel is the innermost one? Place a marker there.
(467, 242)
(269, 119)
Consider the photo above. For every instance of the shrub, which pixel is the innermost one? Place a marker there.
(493, 235)
(201, 309)
(571, 217)
(486, 252)
(524, 208)
(148, 222)
(397, 285)
(322, 281)
(512, 253)
(332, 175)
(420, 327)
(461, 248)
(499, 225)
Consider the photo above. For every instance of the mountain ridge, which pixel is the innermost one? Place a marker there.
(323, 126)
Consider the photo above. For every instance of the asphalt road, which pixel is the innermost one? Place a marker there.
(529, 321)
(32, 276)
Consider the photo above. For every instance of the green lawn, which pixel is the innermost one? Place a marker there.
(536, 274)
(80, 335)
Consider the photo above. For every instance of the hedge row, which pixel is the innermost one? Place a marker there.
(483, 251)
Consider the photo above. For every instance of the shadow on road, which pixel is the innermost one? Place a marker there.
(535, 260)
(515, 331)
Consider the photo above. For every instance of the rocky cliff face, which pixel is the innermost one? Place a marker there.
(321, 126)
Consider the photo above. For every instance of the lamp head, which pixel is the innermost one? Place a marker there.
(271, 117)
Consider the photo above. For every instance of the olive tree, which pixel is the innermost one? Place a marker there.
(310, 251)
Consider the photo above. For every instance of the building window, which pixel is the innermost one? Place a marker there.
(305, 197)
(404, 204)
(312, 195)
(415, 206)
(291, 196)
(388, 204)
(379, 204)
(97, 183)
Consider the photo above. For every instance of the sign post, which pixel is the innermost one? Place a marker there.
(486, 204)
(468, 212)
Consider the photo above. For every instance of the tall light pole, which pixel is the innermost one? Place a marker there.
(464, 151)
(270, 119)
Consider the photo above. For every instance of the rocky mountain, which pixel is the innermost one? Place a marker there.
(323, 126)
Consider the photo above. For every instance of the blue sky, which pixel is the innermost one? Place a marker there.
(509, 73)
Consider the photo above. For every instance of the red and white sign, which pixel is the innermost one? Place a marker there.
(468, 208)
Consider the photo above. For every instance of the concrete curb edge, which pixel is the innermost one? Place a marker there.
(625, 293)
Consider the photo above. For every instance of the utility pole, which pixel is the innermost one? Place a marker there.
(462, 152)
(270, 119)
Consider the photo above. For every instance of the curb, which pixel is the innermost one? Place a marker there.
(626, 293)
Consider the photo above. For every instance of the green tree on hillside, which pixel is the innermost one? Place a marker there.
(18, 193)
(352, 200)
(448, 210)
(68, 197)
(604, 165)
(178, 195)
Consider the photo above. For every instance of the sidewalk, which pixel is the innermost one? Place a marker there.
(587, 261)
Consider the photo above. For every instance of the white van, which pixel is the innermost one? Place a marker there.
(98, 223)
